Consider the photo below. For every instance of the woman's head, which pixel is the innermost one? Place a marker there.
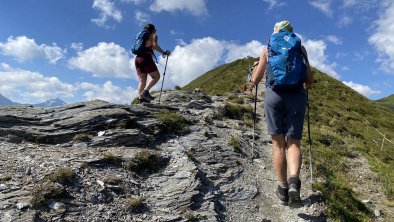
(283, 26)
(150, 27)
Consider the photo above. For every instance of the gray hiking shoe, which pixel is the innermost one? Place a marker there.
(146, 95)
(294, 192)
(283, 195)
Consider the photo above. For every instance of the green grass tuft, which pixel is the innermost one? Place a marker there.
(45, 191)
(112, 158)
(82, 137)
(4, 178)
(173, 122)
(64, 175)
(145, 162)
(135, 205)
(190, 153)
(235, 144)
(236, 99)
(239, 112)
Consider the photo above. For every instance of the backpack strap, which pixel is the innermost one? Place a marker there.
(304, 55)
(268, 48)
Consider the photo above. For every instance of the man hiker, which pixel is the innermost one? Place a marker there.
(284, 105)
(145, 65)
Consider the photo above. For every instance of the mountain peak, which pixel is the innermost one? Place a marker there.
(51, 103)
(4, 101)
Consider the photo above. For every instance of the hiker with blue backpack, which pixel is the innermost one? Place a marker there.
(284, 62)
(144, 46)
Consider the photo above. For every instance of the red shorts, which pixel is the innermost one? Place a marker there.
(144, 64)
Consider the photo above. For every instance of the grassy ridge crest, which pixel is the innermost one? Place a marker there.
(387, 102)
(225, 79)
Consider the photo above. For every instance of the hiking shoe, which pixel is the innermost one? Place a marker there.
(283, 195)
(145, 94)
(142, 100)
(294, 192)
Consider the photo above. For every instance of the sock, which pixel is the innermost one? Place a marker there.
(284, 185)
(293, 179)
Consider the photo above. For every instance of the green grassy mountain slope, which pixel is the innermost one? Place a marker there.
(344, 125)
(387, 102)
(224, 79)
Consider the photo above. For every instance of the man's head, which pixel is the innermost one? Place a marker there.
(150, 27)
(283, 26)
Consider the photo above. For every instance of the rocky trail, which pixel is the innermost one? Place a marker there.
(260, 173)
(97, 161)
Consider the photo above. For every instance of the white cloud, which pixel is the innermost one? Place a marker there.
(363, 89)
(339, 55)
(334, 39)
(77, 46)
(31, 87)
(344, 21)
(324, 6)
(274, 4)
(360, 6)
(360, 55)
(195, 7)
(383, 39)
(141, 17)
(107, 92)
(189, 61)
(235, 52)
(316, 50)
(24, 49)
(136, 2)
(105, 60)
(176, 33)
(107, 10)
(349, 3)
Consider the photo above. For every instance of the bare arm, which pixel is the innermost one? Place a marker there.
(155, 46)
(258, 72)
(309, 74)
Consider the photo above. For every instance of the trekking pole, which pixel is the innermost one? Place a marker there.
(254, 120)
(162, 82)
(309, 137)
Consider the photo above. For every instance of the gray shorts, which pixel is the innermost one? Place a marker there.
(284, 112)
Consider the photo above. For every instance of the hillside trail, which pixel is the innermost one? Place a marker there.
(259, 172)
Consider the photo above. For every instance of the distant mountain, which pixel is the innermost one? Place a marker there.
(387, 102)
(5, 101)
(50, 103)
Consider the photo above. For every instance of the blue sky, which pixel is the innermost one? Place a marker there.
(78, 50)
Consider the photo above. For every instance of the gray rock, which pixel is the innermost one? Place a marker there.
(22, 205)
(377, 213)
(28, 171)
(57, 206)
(3, 187)
(197, 174)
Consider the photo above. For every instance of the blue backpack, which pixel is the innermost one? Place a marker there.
(286, 69)
(139, 43)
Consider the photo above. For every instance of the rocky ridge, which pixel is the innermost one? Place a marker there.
(195, 173)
